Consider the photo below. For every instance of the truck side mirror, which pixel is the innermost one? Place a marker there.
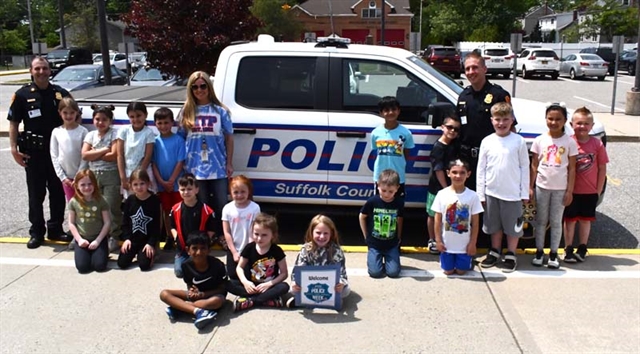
(438, 111)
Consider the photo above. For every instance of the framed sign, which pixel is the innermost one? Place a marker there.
(317, 286)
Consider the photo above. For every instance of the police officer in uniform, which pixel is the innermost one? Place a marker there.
(474, 110)
(36, 106)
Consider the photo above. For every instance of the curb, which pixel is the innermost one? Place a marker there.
(14, 72)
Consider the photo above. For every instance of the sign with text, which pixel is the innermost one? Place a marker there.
(318, 286)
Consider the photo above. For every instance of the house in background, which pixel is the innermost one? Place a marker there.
(115, 33)
(358, 20)
(531, 18)
(555, 24)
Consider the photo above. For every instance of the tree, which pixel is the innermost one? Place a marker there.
(10, 42)
(182, 36)
(84, 22)
(609, 19)
(276, 19)
(536, 34)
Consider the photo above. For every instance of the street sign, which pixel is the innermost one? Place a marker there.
(130, 47)
(516, 42)
(618, 44)
(39, 48)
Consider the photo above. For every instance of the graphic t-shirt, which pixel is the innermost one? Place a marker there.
(141, 219)
(553, 156)
(209, 279)
(167, 153)
(591, 154)
(390, 146)
(262, 268)
(240, 220)
(135, 146)
(457, 210)
(88, 217)
(98, 142)
(382, 221)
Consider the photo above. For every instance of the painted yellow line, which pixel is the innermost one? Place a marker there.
(615, 181)
(14, 72)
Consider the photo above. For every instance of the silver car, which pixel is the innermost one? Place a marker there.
(583, 65)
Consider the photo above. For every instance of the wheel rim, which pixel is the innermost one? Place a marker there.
(572, 74)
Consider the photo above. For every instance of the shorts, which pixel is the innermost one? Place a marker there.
(430, 199)
(503, 215)
(459, 261)
(399, 193)
(169, 199)
(583, 207)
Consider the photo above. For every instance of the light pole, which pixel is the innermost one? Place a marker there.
(562, 46)
(420, 28)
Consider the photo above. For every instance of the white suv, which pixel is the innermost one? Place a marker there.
(497, 60)
(538, 61)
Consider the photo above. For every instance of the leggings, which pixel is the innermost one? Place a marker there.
(550, 210)
(235, 287)
(89, 260)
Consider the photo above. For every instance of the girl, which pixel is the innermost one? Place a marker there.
(99, 149)
(553, 170)
(262, 268)
(237, 217)
(321, 248)
(89, 221)
(205, 125)
(140, 223)
(66, 145)
(135, 145)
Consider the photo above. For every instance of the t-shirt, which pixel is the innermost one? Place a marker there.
(457, 210)
(135, 145)
(141, 219)
(262, 268)
(382, 221)
(89, 217)
(190, 218)
(390, 146)
(553, 156)
(208, 134)
(167, 153)
(591, 155)
(240, 222)
(209, 279)
(66, 151)
(441, 155)
(98, 142)
(330, 254)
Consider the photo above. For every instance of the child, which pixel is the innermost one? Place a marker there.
(457, 221)
(168, 158)
(89, 223)
(591, 173)
(205, 277)
(188, 216)
(99, 149)
(321, 247)
(66, 145)
(553, 172)
(392, 142)
(444, 151)
(503, 181)
(262, 268)
(381, 225)
(237, 217)
(140, 223)
(135, 145)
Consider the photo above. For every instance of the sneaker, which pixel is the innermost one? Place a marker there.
(242, 303)
(72, 244)
(510, 263)
(433, 249)
(291, 302)
(277, 302)
(538, 259)
(569, 257)
(553, 262)
(204, 317)
(491, 259)
(170, 314)
(113, 245)
(581, 253)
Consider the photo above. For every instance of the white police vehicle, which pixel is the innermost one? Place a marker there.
(302, 126)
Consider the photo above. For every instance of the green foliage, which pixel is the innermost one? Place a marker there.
(52, 39)
(84, 21)
(487, 33)
(12, 43)
(610, 19)
(277, 21)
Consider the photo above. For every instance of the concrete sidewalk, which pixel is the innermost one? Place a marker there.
(47, 307)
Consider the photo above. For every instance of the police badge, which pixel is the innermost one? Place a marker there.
(488, 98)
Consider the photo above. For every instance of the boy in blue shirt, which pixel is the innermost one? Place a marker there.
(168, 159)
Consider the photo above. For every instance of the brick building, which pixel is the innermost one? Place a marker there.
(357, 20)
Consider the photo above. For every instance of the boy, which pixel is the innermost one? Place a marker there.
(381, 225)
(168, 158)
(457, 217)
(392, 142)
(591, 172)
(205, 277)
(503, 184)
(187, 216)
(444, 151)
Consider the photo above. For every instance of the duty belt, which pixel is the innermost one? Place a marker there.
(469, 151)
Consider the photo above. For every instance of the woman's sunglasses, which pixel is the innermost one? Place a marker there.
(201, 86)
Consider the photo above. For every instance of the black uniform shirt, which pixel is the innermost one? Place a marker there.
(37, 109)
(475, 108)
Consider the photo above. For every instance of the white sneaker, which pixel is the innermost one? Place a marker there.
(113, 245)
(538, 259)
(553, 261)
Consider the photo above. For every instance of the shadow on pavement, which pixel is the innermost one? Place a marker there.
(608, 233)
(345, 315)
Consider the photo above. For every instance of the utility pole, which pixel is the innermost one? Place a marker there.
(382, 25)
(63, 37)
(636, 86)
(33, 39)
(104, 42)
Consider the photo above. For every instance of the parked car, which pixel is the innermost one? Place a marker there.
(538, 61)
(79, 77)
(153, 77)
(606, 53)
(584, 65)
(498, 60)
(628, 61)
(445, 59)
(61, 58)
(117, 59)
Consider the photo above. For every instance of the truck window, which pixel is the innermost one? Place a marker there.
(365, 82)
(276, 82)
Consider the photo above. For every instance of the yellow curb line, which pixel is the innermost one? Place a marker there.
(14, 72)
(363, 249)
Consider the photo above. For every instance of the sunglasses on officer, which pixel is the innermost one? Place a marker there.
(196, 86)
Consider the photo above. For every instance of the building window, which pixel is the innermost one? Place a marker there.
(371, 13)
(625, 2)
(552, 21)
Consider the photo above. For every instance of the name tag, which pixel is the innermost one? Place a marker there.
(463, 120)
(34, 113)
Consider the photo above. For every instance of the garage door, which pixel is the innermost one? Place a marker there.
(392, 38)
(357, 36)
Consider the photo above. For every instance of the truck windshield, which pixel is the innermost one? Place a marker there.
(446, 79)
